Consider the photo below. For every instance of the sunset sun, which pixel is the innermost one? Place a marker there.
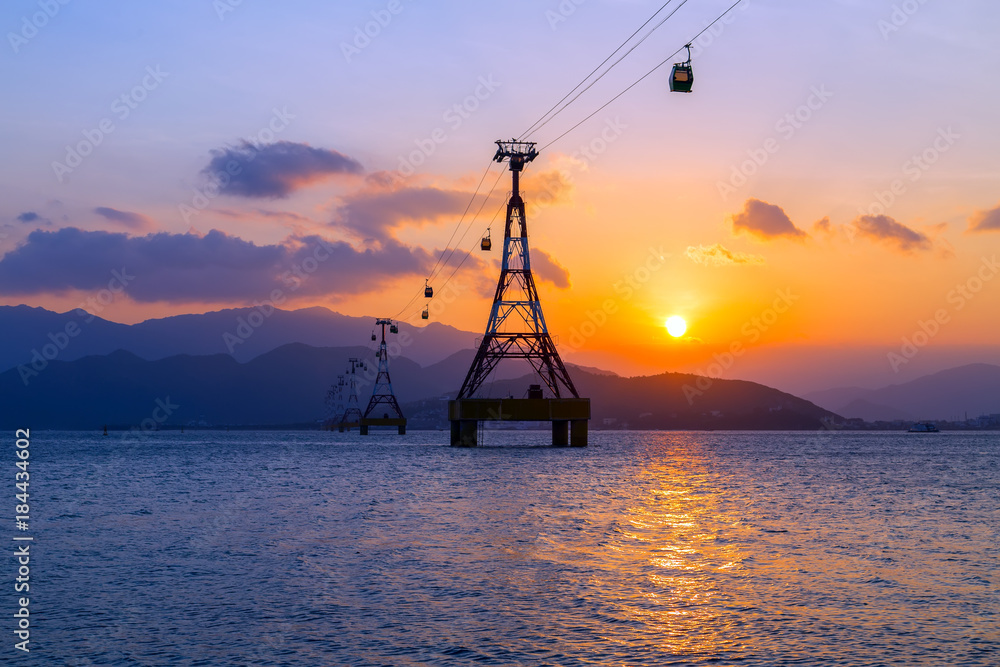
(676, 326)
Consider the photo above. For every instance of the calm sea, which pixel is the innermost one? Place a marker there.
(262, 548)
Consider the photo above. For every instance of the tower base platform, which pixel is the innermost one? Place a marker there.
(398, 422)
(569, 417)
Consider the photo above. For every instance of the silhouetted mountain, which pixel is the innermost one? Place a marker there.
(288, 386)
(972, 389)
(35, 333)
(662, 402)
(860, 408)
(457, 365)
(24, 329)
(284, 386)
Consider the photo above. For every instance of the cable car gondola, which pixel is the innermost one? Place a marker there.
(425, 314)
(682, 75)
(486, 243)
(428, 290)
(393, 329)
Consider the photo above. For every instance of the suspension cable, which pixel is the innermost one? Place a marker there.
(610, 56)
(624, 55)
(636, 82)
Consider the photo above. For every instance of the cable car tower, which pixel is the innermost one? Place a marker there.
(352, 414)
(516, 330)
(334, 403)
(383, 400)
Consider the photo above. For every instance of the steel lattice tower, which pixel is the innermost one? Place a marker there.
(335, 401)
(382, 392)
(352, 415)
(516, 327)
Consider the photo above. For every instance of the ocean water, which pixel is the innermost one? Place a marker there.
(275, 548)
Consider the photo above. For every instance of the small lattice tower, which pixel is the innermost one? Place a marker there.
(352, 414)
(335, 402)
(383, 408)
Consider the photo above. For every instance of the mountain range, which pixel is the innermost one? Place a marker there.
(947, 395)
(287, 386)
(247, 366)
(28, 333)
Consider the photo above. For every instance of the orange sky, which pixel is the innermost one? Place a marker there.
(724, 206)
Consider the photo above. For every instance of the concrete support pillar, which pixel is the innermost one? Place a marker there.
(578, 433)
(464, 432)
(560, 433)
(364, 429)
(402, 429)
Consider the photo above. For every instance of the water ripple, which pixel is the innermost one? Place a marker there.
(643, 549)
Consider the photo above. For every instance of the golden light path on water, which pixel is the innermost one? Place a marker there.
(643, 549)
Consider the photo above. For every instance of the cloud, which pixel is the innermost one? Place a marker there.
(261, 214)
(824, 227)
(885, 230)
(985, 221)
(719, 255)
(282, 215)
(374, 210)
(274, 171)
(547, 268)
(190, 268)
(29, 217)
(544, 189)
(135, 221)
(765, 221)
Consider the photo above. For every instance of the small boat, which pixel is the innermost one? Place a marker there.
(923, 427)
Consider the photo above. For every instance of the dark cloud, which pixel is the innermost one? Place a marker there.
(985, 221)
(216, 267)
(824, 227)
(274, 171)
(547, 268)
(719, 255)
(33, 218)
(885, 230)
(765, 221)
(373, 211)
(135, 221)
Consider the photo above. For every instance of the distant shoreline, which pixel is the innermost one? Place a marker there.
(120, 429)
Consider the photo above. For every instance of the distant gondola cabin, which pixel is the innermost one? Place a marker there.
(682, 75)
(681, 78)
